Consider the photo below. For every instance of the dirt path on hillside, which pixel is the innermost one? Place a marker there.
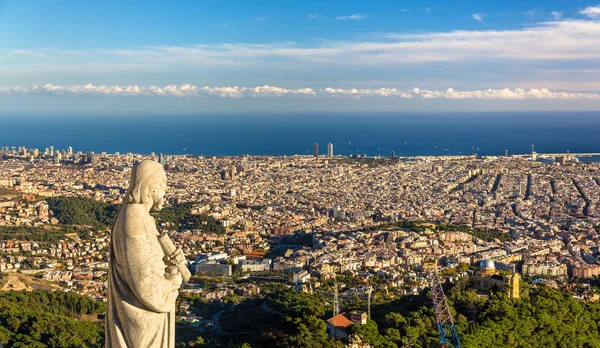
(17, 282)
(13, 282)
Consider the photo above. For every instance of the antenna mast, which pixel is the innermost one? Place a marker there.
(447, 332)
(336, 307)
(369, 291)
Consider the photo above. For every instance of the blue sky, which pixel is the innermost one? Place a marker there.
(207, 56)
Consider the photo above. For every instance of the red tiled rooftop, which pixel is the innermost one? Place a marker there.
(340, 320)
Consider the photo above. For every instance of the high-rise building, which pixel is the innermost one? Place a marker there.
(393, 154)
(522, 188)
(505, 153)
(51, 151)
(161, 158)
(330, 150)
(70, 151)
(316, 150)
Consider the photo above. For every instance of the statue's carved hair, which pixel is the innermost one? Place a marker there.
(145, 177)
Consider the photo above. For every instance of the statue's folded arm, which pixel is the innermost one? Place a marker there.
(144, 270)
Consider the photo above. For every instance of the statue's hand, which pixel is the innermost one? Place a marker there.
(171, 270)
(172, 273)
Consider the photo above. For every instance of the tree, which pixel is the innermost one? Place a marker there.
(395, 319)
(394, 335)
(369, 332)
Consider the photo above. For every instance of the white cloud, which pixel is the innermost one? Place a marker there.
(505, 94)
(191, 91)
(542, 54)
(380, 92)
(562, 40)
(355, 17)
(558, 40)
(592, 11)
(556, 15)
(186, 90)
(450, 93)
(313, 16)
(479, 17)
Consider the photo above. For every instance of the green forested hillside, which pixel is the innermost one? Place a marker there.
(85, 211)
(543, 317)
(82, 211)
(180, 217)
(34, 234)
(547, 318)
(49, 319)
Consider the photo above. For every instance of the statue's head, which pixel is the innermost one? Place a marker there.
(148, 184)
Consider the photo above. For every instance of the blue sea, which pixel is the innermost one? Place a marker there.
(408, 134)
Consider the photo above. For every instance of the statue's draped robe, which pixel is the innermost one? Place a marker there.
(141, 301)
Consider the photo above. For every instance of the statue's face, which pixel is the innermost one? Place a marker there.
(158, 195)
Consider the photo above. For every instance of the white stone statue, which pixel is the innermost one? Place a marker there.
(143, 280)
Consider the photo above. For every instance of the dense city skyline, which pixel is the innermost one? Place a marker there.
(190, 57)
(259, 229)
